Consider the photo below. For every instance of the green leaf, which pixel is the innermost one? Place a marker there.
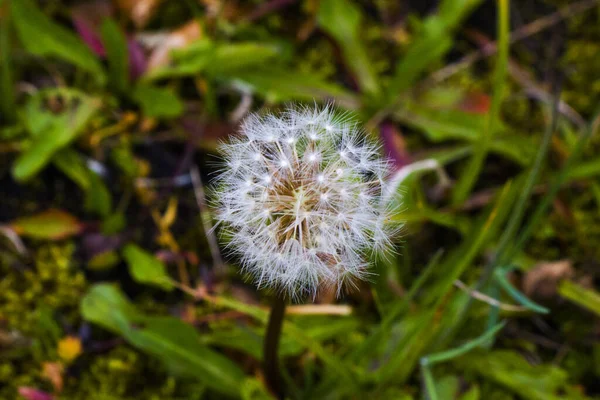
(586, 298)
(117, 55)
(583, 170)
(49, 225)
(171, 340)
(157, 102)
(432, 43)
(50, 131)
(43, 37)
(231, 58)
(217, 59)
(511, 370)
(145, 268)
(342, 20)
(97, 197)
(441, 125)
(280, 85)
(73, 166)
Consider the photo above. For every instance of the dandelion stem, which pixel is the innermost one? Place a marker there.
(271, 346)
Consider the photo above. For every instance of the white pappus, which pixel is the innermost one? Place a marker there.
(302, 198)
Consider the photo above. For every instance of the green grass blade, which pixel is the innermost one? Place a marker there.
(494, 313)
(551, 194)
(516, 216)
(396, 310)
(466, 347)
(342, 20)
(7, 94)
(500, 277)
(296, 334)
(472, 171)
(581, 296)
(428, 361)
(432, 43)
(402, 361)
(428, 383)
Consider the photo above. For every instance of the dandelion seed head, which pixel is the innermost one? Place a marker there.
(300, 200)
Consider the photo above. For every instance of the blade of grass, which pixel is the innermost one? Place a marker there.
(333, 362)
(560, 179)
(7, 94)
(500, 276)
(581, 296)
(494, 313)
(428, 361)
(342, 20)
(406, 354)
(516, 216)
(432, 43)
(398, 308)
(472, 171)
(464, 348)
(430, 390)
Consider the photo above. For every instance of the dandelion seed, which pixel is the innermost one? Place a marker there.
(301, 228)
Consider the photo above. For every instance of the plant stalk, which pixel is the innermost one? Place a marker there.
(271, 347)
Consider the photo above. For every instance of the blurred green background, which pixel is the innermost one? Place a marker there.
(113, 286)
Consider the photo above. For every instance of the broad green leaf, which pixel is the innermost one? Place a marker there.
(216, 59)
(254, 67)
(157, 102)
(43, 37)
(229, 59)
(171, 340)
(440, 125)
(50, 225)
(342, 20)
(52, 131)
(117, 55)
(189, 61)
(584, 297)
(145, 268)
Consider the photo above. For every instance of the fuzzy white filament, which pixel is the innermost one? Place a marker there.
(300, 200)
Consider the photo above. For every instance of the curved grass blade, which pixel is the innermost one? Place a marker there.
(500, 277)
(428, 361)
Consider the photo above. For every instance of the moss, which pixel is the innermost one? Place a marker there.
(125, 374)
(54, 281)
